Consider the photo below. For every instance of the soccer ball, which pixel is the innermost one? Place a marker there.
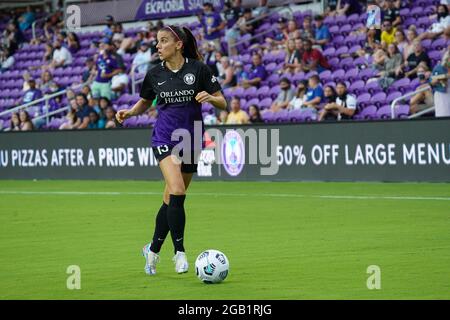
(211, 266)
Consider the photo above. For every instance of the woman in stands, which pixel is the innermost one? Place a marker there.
(181, 83)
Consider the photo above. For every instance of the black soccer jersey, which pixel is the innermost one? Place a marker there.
(175, 93)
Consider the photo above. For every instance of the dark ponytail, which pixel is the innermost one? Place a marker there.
(190, 49)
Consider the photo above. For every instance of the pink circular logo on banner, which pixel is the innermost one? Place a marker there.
(233, 153)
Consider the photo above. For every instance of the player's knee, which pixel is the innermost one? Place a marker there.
(178, 190)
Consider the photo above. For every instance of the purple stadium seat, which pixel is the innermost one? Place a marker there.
(265, 103)
(273, 79)
(394, 95)
(250, 93)
(263, 92)
(338, 75)
(379, 99)
(351, 74)
(254, 101)
(367, 113)
(357, 87)
(384, 112)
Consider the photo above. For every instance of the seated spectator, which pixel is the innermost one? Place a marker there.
(274, 42)
(90, 72)
(330, 10)
(25, 121)
(422, 100)
(26, 19)
(291, 29)
(119, 83)
(292, 62)
(110, 116)
(47, 84)
(322, 34)
(349, 7)
(142, 58)
(343, 108)
(107, 67)
(223, 115)
(312, 59)
(247, 24)
(314, 94)
(218, 55)
(254, 114)
(411, 35)
(73, 43)
(414, 59)
(61, 56)
(31, 94)
(388, 34)
(300, 96)
(307, 31)
(374, 18)
(228, 79)
(12, 37)
(233, 11)
(392, 68)
(212, 24)
(400, 41)
(48, 54)
(439, 27)
(440, 83)
(15, 122)
(93, 120)
(329, 94)
(391, 13)
(6, 60)
(257, 73)
(284, 97)
(82, 112)
(108, 31)
(210, 119)
(236, 115)
(86, 90)
(71, 116)
(262, 8)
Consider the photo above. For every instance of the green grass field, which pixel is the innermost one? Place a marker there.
(283, 240)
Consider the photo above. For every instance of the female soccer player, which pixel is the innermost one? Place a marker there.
(181, 83)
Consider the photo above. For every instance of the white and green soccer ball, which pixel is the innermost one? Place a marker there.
(212, 266)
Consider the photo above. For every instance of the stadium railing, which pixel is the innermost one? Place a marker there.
(410, 94)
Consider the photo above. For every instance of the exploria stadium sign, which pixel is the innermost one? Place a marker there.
(158, 9)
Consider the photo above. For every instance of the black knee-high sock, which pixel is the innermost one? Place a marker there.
(161, 229)
(177, 220)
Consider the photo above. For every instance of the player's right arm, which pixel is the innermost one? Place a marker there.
(137, 109)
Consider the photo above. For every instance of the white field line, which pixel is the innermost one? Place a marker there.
(217, 194)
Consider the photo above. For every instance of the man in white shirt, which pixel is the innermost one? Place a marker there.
(119, 82)
(142, 58)
(343, 108)
(61, 56)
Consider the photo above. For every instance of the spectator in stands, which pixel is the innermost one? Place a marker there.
(110, 115)
(312, 59)
(247, 24)
(237, 115)
(307, 31)
(142, 58)
(86, 90)
(47, 85)
(329, 94)
(373, 21)
(108, 31)
(257, 73)
(90, 72)
(82, 112)
(293, 58)
(349, 7)
(280, 38)
(330, 10)
(48, 54)
(440, 83)
(261, 9)
(400, 41)
(391, 13)
(119, 82)
(71, 117)
(25, 121)
(73, 43)
(388, 34)
(70, 94)
(322, 34)
(212, 24)
(314, 94)
(61, 56)
(93, 120)
(300, 96)
(254, 114)
(228, 79)
(223, 115)
(414, 59)
(285, 95)
(31, 94)
(443, 22)
(15, 122)
(422, 100)
(12, 37)
(411, 35)
(291, 29)
(232, 13)
(6, 60)
(343, 108)
(209, 56)
(392, 68)
(218, 55)
(26, 19)
(107, 67)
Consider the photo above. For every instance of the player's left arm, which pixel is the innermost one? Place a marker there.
(216, 99)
